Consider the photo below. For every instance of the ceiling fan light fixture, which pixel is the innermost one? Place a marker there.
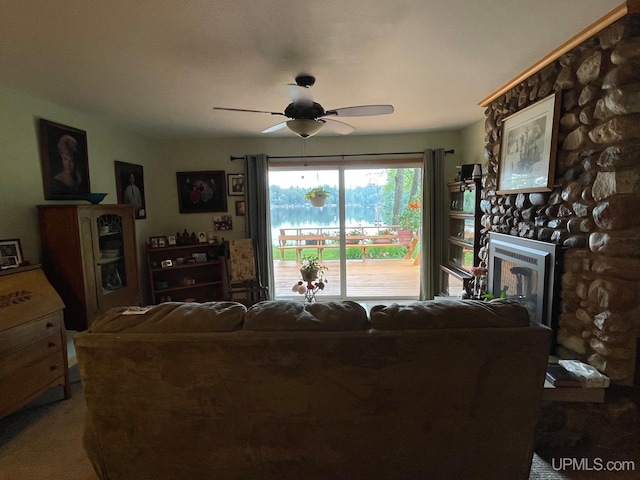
(305, 128)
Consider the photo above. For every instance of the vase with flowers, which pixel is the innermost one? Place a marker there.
(317, 196)
(312, 273)
(479, 282)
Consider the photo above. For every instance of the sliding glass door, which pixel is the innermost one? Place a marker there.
(366, 232)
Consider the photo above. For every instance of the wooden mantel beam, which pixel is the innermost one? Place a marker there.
(630, 6)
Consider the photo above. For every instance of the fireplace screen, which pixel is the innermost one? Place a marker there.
(524, 270)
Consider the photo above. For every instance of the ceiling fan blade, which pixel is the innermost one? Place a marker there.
(246, 110)
(275, 128)
(361, 111)
(339, 127)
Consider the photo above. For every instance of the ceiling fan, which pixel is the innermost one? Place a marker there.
(306, 117)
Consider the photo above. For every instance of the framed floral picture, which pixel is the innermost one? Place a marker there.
(202, 191)
(528, 149)
(65, 162)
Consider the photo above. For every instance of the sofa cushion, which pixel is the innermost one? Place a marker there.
(449, 314)
(174, 317)
(295, 316)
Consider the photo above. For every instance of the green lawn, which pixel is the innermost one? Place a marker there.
(352, 253)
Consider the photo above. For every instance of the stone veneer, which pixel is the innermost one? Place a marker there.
(594, 208)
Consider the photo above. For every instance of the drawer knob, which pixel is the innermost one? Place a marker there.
(54, 367)
(50, 325)
(52, 344)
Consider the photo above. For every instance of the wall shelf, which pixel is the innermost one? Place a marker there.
(168, 283)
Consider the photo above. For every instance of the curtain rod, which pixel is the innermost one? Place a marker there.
(447, 152)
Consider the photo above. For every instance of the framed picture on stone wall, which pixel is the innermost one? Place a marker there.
(528, 149)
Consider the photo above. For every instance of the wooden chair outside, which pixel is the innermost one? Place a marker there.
(244, 285)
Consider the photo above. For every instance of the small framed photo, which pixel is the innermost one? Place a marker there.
(65, 161)
(166, 263)
(171, 240)
(240, 208)
(223, 222)
(235, 184)
(11, 253)
(158, 242)
(528, 149)
(202, 237)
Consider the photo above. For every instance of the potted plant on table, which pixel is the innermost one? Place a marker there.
(410, 221)
(312, 272)
(317, 196)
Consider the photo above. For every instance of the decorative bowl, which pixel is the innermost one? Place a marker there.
(95, 198)
(110, 253)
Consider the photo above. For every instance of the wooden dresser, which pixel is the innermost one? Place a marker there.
(33, 339)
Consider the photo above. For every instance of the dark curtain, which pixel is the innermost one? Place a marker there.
(257, 218)
(432, 213)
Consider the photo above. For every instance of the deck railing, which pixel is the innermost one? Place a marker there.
(363, 237)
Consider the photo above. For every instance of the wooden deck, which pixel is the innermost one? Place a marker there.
(373, 278)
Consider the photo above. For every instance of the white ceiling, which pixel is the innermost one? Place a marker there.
(161, 65)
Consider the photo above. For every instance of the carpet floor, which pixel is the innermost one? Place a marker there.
(43, 441)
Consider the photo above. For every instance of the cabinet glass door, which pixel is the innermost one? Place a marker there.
(112, 253)
(463, 201)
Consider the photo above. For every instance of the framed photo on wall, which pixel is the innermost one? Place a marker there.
(235, 184)
(240, 208)
(528, 149)
(130, 186)
(202, 191)
(65, 161)
(10, 254)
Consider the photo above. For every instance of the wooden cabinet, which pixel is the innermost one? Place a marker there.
(89, 256)
(33, 340)
(463, 241)
(194, 273)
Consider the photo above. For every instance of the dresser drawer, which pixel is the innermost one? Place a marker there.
(17, 388)
(25, 334)
(28, 355)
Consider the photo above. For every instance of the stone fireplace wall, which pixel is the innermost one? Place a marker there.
(593, 211)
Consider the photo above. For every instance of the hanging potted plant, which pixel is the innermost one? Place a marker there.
(317, 196)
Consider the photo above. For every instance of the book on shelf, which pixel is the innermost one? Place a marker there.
(559, 376)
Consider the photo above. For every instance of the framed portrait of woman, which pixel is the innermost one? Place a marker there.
(65, 161)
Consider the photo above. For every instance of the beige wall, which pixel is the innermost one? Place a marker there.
(21, 186)
(473, 143)
(21, 180)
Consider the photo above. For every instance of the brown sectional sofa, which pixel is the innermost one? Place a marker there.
(433, 390)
